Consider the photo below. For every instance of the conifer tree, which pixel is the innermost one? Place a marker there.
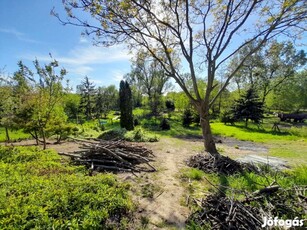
(125, 104)
(87, 91)
(248, 107)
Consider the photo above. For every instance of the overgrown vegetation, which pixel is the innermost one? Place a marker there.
(268, 192)
(38, 190)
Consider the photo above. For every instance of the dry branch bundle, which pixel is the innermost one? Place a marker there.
(223, 212)
(112, 156)
(219, 164)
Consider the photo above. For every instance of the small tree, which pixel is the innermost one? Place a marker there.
(106, 99)
(170, 105)
(87, 91)
(125, 104)
(187, 117)
(248, 107)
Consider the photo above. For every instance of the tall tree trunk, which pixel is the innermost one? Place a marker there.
(206, 131)
(7, 134)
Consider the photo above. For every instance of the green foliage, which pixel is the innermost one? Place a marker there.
(139, 135)
(272, 67)
(169, 104)
(14, 135)
(248, 107)
(187, 117)
(39, 191)
(106, 100)
(250, 181)
(71, 106)
(117, 133)
(181, 101)
(125, 104)
(165, 125)
(290, 96)
(227, 117)
(87, 92)
(40, 109)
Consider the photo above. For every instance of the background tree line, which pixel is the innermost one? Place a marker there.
(274, 79)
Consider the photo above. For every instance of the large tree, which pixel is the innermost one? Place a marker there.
(197, 35)
(149, 76)
(269, 67)
(291, 96)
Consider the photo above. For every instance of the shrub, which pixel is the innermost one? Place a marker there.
(187, 118)
(170, 105)
(164, 125)
(139, 135)
(117, 133)
(227, 117)
(38, 191)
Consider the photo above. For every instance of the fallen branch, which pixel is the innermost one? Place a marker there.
(112, 156)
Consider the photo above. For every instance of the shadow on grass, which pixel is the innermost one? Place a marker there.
(261, 130)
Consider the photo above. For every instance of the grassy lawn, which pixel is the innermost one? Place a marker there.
(14, 135)
(253, 133)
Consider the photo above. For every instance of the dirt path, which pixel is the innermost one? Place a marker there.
(165, 210)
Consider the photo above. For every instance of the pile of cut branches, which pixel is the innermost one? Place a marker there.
(115, 156)
(219, 164)
(219, 211)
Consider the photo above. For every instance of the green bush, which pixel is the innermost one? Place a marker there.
(165, 125)
(187, 118)
(38, 191)
(117, 133)
(139, 135)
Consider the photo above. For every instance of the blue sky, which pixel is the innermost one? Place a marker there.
(28, 31)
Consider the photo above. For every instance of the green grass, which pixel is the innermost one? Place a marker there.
(38, 190)
(193, 174)
(252, 133)
(237, 185)
(14, 135)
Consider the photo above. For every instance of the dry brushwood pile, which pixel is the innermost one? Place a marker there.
(219, 164)
(218, 211)
(116, 156)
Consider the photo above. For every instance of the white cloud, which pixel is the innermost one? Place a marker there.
(84, 55)
(80, 60)
(118, 75)
(80, 70)
(19, 35)
(88, 55)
